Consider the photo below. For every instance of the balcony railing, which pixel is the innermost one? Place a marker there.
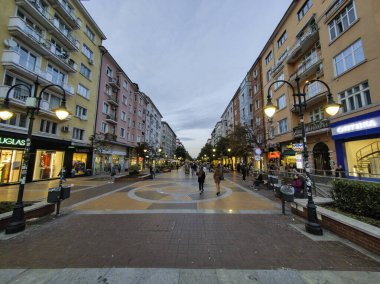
(307, 36)
(279, 61)
(67, 12)
(309, 63)
(311, 127)
(113, 99)
(114, 82)
(111, 118)
(110, 136)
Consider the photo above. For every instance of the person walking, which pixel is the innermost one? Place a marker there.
(151, 171)
(244, 171)
(112, 175)
(217, 175)
(201, 179)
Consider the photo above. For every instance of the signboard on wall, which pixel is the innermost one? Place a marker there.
(299, 161)
(8, 141)
(356, 126)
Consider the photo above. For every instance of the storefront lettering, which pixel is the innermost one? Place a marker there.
(356, 126)
(12, 141)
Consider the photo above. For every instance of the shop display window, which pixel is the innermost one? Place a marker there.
(79, 164)
(10, 165)
(363, 158)
(48, 164)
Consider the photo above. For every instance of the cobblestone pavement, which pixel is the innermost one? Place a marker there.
(166, 223)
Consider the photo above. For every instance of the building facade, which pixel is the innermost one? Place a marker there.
(168, 140)
(44, 43)
(153, 126)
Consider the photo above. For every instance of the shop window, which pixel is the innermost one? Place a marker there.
(79, 164)
(355, 98)
(48, 164)
(10, 165)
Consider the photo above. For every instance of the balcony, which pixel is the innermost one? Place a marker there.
(64, 36)
(113, 82)
(112, 99)
(17, 96)
(276, 67)
(304, 43)
(311, 65)
(110, 136)
(312, 128)
(66, 12)
(111, 118)
(61, 59)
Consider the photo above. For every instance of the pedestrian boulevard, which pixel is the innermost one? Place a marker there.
(164, 231)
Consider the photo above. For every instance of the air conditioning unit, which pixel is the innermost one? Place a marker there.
(90, 61)
(65, 129)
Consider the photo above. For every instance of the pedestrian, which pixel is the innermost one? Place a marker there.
(244, 171)
(177, 167)
(217, 175)
(298, 185)
(151, 171)
(112, 175)
(339, 172)
(201, 179)
(119, 168)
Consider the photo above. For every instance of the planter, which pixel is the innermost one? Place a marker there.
(360, 233)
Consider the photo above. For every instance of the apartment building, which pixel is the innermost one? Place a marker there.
(48, 42)
(245, 101)
(112, 137)
(236, 107)
(227, 119)
(153, 125)
(168, 140)
(336, 42)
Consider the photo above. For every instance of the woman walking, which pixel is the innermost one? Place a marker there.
(217, 175)
(201, 179)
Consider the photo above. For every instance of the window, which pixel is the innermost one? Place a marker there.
(258, 104)
(343, 21)
(83, 91)
(87, 52)
(250, 108)
(271, 132)
(27, 59)
(269, 74)
(258, 121)
(268, 58)
(55, 75)
(355, 98)
(86, 72)
(125, 84)
(125, 101)
(129, 122)
(81, 112)
(104, 127)
(306, 7)
(314, 89)
(109, 71)
(89, 33)
(283, 126)
(48, 126)
(106, 108)
(18, 120)
(282, 39)
(122, 132)
(123, 116)
(279, 84)
(281, 102)
(316, 115)
(78, 134)
(348, 58)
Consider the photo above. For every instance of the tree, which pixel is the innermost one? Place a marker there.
(101, 148)
(181, 152)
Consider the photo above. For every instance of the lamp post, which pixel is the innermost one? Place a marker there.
(33, 106)
(299, 100)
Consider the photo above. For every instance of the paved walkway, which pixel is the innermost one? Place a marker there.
(111, 231)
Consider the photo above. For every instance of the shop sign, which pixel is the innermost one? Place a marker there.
(257, 158)
(274, 155)
(356, 126)
(289, 146)
(297, 147)
(82, 150)
(258, 151)
(299, 161)
(12, 141)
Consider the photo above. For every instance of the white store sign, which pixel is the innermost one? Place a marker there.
(356, 126)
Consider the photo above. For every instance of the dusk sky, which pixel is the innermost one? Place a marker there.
(189, 56)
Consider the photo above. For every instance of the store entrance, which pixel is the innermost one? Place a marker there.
(321, 159)
(10, 165)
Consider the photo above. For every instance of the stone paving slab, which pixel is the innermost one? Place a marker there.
(184, 276)
(207, 241)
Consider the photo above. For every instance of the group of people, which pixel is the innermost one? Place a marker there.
(200, 171)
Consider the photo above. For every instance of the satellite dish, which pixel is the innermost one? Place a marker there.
(10, 43)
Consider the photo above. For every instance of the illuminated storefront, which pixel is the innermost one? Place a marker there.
(11, 151)
(357, 142)
(48, 164)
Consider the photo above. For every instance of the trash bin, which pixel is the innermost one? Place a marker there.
(287, 192)
(65, 192)
(53, 195)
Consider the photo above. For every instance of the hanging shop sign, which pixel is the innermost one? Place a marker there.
(356, 126)
(274, 155)
(8, 141)
(299, 161)
(258, 151)
(289, 146)
(297, 147)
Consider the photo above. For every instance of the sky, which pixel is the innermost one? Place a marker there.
(188, 56)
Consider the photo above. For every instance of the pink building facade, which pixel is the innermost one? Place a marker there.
(120, 119)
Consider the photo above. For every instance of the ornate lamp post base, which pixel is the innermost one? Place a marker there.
(312, 226)
(18, 220)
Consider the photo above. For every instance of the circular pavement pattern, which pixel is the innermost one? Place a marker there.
(170, 193)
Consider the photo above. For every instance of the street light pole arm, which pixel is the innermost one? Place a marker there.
(63, 103)
(320, 81)
(269, 98)
(6, 100)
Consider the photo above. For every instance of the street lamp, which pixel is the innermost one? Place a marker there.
(33, 106)
(299, 100)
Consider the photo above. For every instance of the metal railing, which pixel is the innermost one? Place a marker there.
(312, 126)
(368, 150)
